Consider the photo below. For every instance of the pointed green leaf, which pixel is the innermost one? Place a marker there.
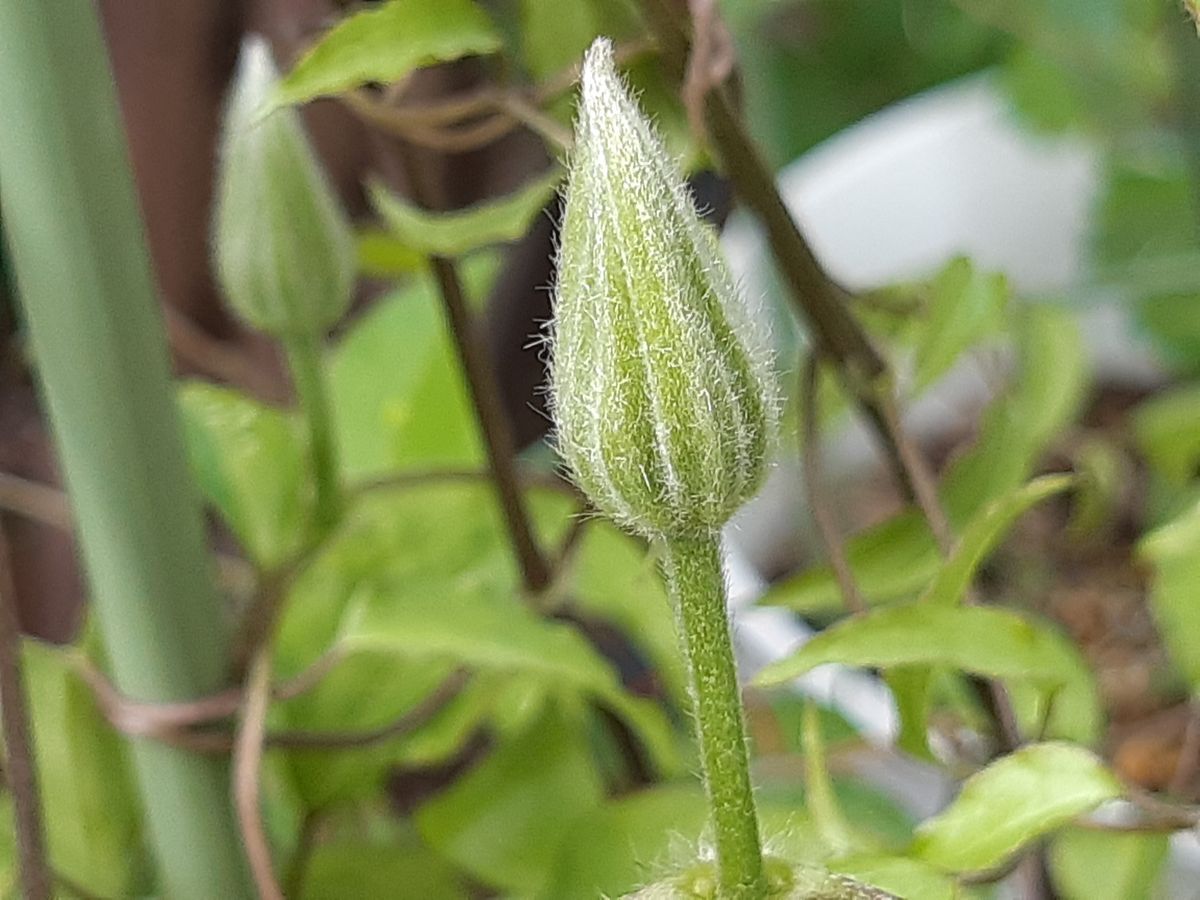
(1015, 800)
(460, 231)
(384, 44)
(992, 642)
(982, 535)
(965, 306)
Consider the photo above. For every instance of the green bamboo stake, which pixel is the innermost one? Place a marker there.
(79, 255)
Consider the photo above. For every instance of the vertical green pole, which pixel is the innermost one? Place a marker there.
(80, 260)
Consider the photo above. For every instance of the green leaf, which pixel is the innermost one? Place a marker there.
(1013, 801)
(965, 306)
(461, 231)
(90, 807)
(983, 534)
(397, 409)
(992, 642)
(1053, 376)
(418, 582)
(250, 463)
(1168, 434)
(386, 44)
(1174, 551)
(503, 823)
(897, 558)
(347, 868)
(1146, 216)
(1095, 865)
(893, 560)
(628, 841)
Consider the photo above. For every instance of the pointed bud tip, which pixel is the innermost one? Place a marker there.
(284, 250)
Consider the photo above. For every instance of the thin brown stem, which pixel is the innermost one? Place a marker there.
(171, 727)
(20, 765)
(35, 501)
(493, 424)
(247, 776)
(157, 720)
(810, 453)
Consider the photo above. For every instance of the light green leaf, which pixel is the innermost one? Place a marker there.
(1174, 551)
(965, 306)
(251, 465)
(1167, 428)
(504, 822)
(398, 395)
(90, 806)
(983, 533)
(385, 44)
(988, 641)
(1015, 800)
(991, 642)
(1095, 865)
(461, 231)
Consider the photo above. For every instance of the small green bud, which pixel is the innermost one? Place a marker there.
(661, 381)
(284, 250)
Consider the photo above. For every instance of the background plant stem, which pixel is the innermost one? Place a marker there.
(308, 377)
(80, 260)
(697, 585)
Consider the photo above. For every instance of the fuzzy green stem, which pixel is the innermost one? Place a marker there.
(697, 585)
(312, 392)
(79, 255)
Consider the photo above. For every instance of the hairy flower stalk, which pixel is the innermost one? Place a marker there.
(283, 247)
(665, 404)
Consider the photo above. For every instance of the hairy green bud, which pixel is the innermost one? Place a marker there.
(284, 250)
(661, 382)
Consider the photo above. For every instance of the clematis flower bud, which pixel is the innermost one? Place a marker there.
(661, 382)
(284, 250)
